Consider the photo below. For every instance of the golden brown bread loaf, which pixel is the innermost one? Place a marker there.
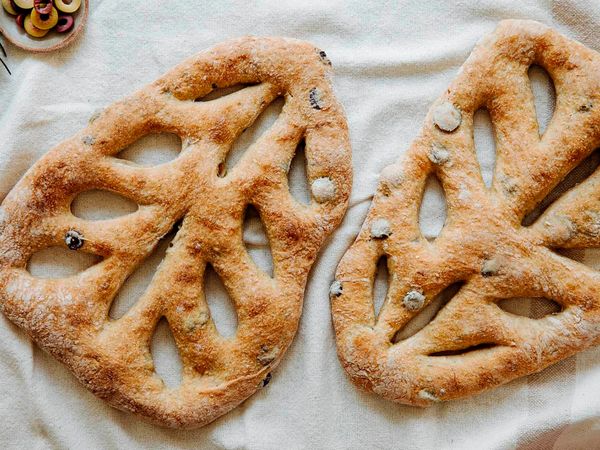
(69, 317)
(472, 344)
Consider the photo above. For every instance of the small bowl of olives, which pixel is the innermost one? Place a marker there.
(42, 25)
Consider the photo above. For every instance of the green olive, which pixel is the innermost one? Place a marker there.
(25, 4)
(32, 30)
(67, 6)
(8, 7)
(46, 21)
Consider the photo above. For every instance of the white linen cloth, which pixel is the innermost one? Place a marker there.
(391, 60)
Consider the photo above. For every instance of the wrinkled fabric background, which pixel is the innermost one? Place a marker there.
(391, 60)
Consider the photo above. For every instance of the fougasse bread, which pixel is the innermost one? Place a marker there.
(484, 248)
(69, 317)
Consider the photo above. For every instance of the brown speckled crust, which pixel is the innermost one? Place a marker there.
(69, 317)
(483, 243)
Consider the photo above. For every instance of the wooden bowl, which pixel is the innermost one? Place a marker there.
(52, 41)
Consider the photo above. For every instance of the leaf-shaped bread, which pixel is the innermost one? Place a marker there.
(69, 317)
(472, 344)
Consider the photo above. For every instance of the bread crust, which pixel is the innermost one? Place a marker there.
(69, 317)
(472, 345)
